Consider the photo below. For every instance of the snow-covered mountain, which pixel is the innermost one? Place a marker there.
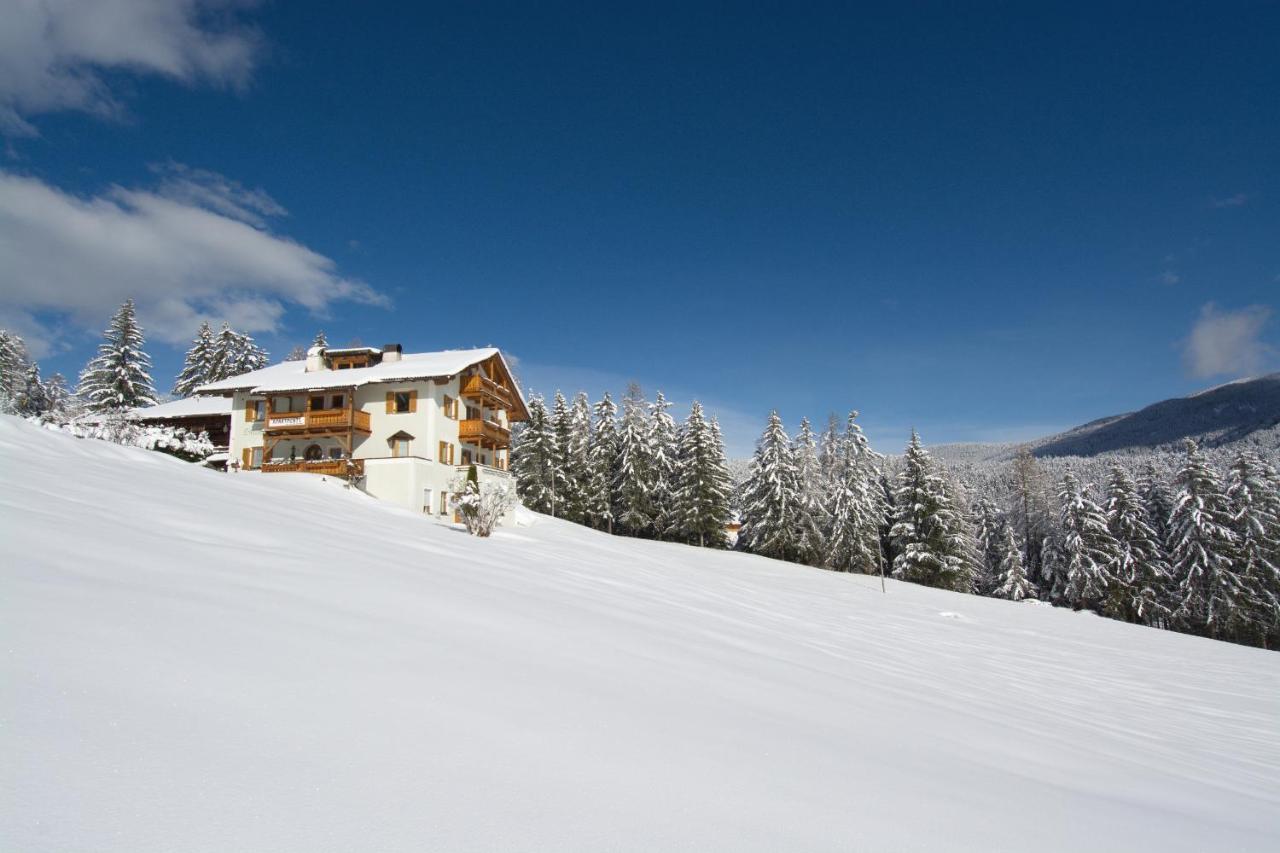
(204, 661)
(1245, 411)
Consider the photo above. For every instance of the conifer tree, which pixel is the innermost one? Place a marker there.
(1011, 579)
(195, 367)
(770, 497)
(59, 397)
(577, 461)
(830, 453)
(1157, 499)
(602, 462)
(533, 460)
(14, 362)
(855, 504)
(320, 340)
(634, 480)
(989, 530)
(1087, 553)
(1210, 591)
(927, 533)
(810, 514)
(1031, 513)
(1142, 568)
(567, 500)
(117, 379)
(1255, 520)
(33, 399)
(700, 503)
(663, 448)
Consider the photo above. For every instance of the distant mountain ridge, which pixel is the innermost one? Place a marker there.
(1244, 410)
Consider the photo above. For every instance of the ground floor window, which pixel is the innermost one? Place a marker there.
(255, 457)
(313, 453)
(444, 503)
(426, 501)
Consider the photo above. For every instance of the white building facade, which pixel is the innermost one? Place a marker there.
(405, 426)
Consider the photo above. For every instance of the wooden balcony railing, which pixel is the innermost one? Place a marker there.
(332, 467)
(486, 391)
(485, 433)
(330, 420)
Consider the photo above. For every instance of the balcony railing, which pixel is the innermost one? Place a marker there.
(319, 419)
(484, 433)
(487, 391)
(332, 467)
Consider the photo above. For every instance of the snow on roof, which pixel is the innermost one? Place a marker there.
(189, 407)
(293, 376)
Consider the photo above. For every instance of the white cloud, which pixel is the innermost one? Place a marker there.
(198, 252)
(1170, 277)
(53, 53)
(1228, 342)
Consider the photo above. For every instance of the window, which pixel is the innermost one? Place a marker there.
(446, 453)
(281, 405)
(450, 407)
(426, 501)
(317, 403)
(335, 452)
(313, 453)
(255, 457)
(444, 503)
(339, 401)
(473, 414)
(399, 447)
(402, 402)
(255, 410)
(466, 457)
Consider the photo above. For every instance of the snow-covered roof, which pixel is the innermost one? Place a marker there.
(293, 375)
(188, 407)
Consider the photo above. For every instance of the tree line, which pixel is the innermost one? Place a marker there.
(634, 473)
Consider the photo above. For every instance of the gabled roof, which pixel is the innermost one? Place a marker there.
(293, 376)
(188, 407)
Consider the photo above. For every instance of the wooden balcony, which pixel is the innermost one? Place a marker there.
(484, 433)
(317, 422)
(332, 467)
(486, 391)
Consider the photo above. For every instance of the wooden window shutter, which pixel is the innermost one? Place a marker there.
(441, 454)
(391, 402)
(250, 409)
(246, 458)
(413, 401)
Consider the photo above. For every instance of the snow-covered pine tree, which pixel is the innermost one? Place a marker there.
(14, 362)
(533, 459)
(195, 367)
(1157, 500)
(855, 505)
(59, 398)
(927, 531)
(1087, 551)
(602, 463)
(298, 353)
(33, 399)
(222, 358)
(1142, 567)
(1255, 519)
(320, 340)
(566, 500)
(1212, 595)
(1011, 579)
(702, 489)
(1031, 514)
(810, 515)
(633, 482)
(988, 525)
(770, 497)
(662, 467)
(247, 356)
(577, 460)
(117, 379)
(830, 453)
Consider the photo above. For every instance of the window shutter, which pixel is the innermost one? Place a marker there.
(413, 401)
(391, 402)
(250, 408)
(246, 458)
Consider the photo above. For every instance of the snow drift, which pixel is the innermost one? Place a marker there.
(210, 662)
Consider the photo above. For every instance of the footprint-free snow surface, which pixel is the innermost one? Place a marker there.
(194, 661)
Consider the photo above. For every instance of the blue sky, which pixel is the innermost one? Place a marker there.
(988, 223)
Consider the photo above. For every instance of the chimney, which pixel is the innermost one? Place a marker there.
(390, 353)
(315, 359)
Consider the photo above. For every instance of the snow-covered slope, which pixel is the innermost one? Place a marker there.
(195, 661)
